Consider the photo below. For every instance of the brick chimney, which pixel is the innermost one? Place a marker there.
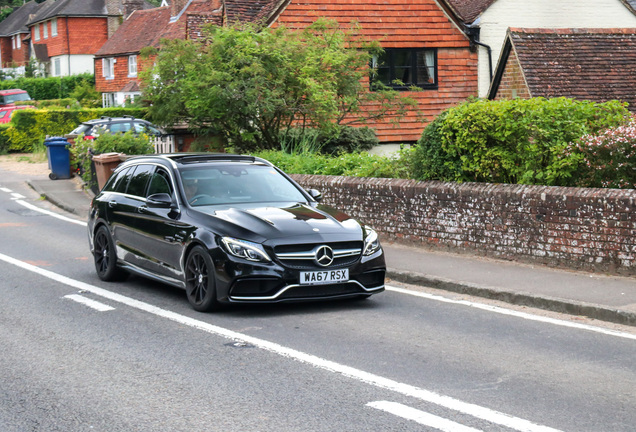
(114, 9)
(132, 5)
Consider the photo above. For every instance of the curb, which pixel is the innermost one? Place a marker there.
(517, 298)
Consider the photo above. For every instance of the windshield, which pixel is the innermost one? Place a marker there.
(7, 99)
(237, 183)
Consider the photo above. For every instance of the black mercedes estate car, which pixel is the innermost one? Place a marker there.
(229, 229)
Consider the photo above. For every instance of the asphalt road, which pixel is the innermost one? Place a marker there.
(78, 354)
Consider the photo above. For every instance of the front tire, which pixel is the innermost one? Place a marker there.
(105, 256)
(199, 278)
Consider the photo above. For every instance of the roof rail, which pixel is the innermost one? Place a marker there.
(194, 158)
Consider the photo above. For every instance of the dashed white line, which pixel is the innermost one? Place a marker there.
(17, 196)
(477, 411)
(510, 312)
(101, 307)
(4, 189)
(420, 417)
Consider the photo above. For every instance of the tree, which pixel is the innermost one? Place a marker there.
(251, 84)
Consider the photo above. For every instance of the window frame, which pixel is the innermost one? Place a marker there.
(57, 67)
(54, 27)
(36, 32)
(45, 30)
(390, 53)
(132, 61)
(108, 68)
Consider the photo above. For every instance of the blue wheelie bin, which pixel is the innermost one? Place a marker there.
(59, 157)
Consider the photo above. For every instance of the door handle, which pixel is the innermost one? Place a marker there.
(112, 204)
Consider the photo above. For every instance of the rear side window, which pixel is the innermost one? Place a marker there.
(119, 127)
(119, 181)
(139, 180)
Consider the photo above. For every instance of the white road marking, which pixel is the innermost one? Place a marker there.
(4, 189)
(50, 213)
(480, 412)
(420, 417)
(101, 307)
(17, 196)
(514, 313)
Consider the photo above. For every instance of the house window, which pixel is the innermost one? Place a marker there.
(13, 42)
(132, 66)
(45, 30)
(108, 100)
(57, 67)
(54, 27)
(108, 66)
(402, 68)
(18, 41)
(36, 32)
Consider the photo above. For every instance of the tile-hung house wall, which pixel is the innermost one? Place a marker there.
(492, 18)
(14, 37)
(424, 47)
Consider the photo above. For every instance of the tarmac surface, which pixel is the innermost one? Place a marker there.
(606, 298)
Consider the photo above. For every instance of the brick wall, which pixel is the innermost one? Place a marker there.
(121, 78)
(576, 228)
(83, 35)
(513, 84)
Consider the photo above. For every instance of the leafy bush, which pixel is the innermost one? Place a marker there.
(607, 159)
(345, 139)
(428, 158)
(4, 139)
(28, 127)
(514, 141)
(48, 88)
(128, 143)
(346, 164)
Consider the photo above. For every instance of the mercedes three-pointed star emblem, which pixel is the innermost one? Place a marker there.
(324, 256)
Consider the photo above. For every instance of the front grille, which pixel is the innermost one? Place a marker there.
(321, 291)
(304, 256)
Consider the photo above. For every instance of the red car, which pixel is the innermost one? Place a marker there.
(7, 111)
(10, 97)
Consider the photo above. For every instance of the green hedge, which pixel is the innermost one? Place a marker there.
(346, 164)
(48, 88)
(29, 127)
(522, 141)
(4, 139)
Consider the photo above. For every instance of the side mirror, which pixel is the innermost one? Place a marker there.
(159, 200)
(315, 194)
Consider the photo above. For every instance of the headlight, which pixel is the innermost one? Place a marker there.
(371, 242)
(245, 249)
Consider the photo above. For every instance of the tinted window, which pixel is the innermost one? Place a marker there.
(119, 181)
(160, 183)
(139, 180)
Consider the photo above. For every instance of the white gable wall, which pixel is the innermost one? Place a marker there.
(494, 23)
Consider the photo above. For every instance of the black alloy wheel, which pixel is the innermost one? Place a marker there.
(105, 256)
(200, 286)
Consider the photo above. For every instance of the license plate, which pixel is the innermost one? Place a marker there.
(324, 277)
